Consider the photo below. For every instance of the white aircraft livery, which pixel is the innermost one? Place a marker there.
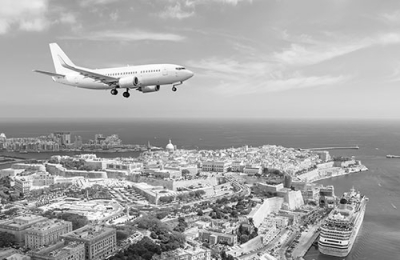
(144, 78)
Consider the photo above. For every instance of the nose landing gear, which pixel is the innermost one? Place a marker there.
(174, 86)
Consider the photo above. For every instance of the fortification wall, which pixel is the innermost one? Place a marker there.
(210, 181)
(294, 199)
(269, 206)
(55, 169)
(172, 184)
(89, 175)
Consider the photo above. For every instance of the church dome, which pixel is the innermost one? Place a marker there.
(2, 135)
(170, 146)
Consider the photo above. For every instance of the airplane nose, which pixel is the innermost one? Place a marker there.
(190, 74)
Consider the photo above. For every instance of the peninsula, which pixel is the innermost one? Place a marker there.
(235, 203)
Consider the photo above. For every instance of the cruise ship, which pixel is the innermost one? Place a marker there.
(340, 228)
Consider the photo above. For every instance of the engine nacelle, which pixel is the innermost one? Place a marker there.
(149, 89)
(132, 81)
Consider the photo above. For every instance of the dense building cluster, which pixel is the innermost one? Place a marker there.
(62, 141)
(224, 201)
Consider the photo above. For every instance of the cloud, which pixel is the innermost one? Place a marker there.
(176, 12)
(127, 36)
(236, 78)
(395, 76)
(388, 38)
(300, 55)
(114, 16)
(271, 84)
(309, 51)
(232, 2)
(181, 9)
(88, 3)
(67, 18)
(391, 18)
(299, 81)
(258, 72)
(27, 15)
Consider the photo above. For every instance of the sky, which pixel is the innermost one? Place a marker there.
(251, 58)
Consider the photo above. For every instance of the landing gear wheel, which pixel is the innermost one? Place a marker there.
(174, 89)
(114, 92)
(126, 94)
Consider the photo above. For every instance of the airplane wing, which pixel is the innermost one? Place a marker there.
(49, 73)
(90, 74)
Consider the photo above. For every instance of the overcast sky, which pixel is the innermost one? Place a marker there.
(251, 58)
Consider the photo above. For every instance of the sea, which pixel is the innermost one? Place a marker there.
(379, 236)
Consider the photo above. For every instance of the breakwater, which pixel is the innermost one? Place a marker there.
(334, 148)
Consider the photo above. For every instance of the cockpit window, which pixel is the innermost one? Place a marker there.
(179, 68)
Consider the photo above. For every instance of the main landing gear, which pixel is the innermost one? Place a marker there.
(174, 86)
(114, 92)
(126, 94)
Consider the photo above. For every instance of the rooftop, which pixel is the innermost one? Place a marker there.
(89, 232)
(49, 224)
(59, 249)
(23, 220)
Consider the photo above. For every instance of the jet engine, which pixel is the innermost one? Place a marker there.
(132, 81)
(150, 89)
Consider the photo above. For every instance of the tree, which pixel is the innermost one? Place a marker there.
(11, 212)
(121, 235)
(166, 199)
(251, 221)
(200, 213)
(182, 225)
(6, 239)
(223, 254)
(153, 235)
(161, 215)
(78, 221)
(244, 239)
(145, 249)
(234, 214)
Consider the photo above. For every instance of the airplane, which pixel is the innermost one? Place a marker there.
(143, 78)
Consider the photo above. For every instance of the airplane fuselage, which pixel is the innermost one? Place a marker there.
(150, 75)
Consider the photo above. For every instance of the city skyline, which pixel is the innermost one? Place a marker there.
(251, 58)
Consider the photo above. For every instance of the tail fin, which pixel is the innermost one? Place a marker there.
(58, 57)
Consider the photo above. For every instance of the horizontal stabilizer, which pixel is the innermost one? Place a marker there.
(49, 73)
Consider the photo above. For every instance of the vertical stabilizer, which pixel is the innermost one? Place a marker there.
(57, 54)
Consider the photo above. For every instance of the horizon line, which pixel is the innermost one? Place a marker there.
(201, 118)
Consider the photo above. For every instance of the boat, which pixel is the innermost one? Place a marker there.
(340, 228)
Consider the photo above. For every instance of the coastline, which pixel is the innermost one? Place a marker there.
(302, 249)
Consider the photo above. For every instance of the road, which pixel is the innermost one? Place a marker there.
(278, 239)
(305, 242)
